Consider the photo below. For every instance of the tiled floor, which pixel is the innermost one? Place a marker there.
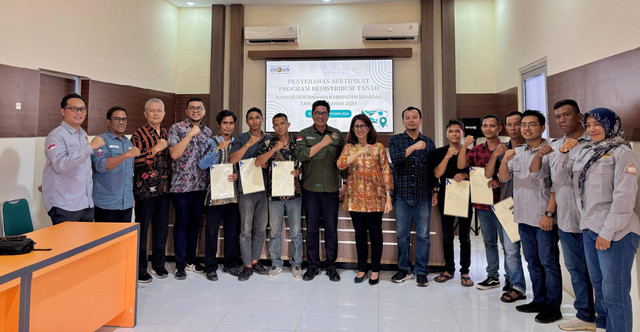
(288, 304)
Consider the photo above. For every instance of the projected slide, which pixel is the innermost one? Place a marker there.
(350, 86)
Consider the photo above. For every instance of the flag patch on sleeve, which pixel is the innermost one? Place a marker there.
(631, 169)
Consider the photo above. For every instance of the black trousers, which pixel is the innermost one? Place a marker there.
(371, 222)
(105, 215)
(153, 211)
(59, 215)
(321, 209)
(230, 215)
(448, 234)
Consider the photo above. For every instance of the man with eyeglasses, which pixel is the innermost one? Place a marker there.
(188, 185)
(66, 178)
(113, 170)
(318, 148)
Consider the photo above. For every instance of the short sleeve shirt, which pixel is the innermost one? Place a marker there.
(187, 176)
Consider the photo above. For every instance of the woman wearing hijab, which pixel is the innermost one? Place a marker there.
(605, 177)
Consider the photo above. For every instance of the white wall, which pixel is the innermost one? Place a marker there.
(194, 51)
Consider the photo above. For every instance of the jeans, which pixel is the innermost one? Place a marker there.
(59, 215)
(513, 263)
(610, 272)
(153, 211)
(276, 218)
(372, 222)
(216, 214)
(321, 209)
(574, 259)
(448, 234)
(543, 258)
(491, 232)
(188, 207)
(254, 215)
(421, 213)
(105, 215)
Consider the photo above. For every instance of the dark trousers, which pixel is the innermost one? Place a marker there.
(448, 235)
(321, 209)
(59, 215)
(372, 222)
(188, 207)
(105, 215)
(153, 211)
(215, 215)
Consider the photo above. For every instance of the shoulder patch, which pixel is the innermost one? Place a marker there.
(299, 138)
(52, 146)
(334, 136)
(631, 169)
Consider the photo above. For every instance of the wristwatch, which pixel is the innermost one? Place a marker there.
(549, 214)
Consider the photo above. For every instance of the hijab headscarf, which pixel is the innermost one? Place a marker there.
(613, 133)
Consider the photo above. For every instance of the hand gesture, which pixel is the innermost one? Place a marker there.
(161, 145)
(544, 150)
(468, 140)
(96, 142)
(252, 141)
(279, 145)
(569, 144)
(509, 155)
(326, 140)
(451, 152)
(195, 130)
(500, 149)
(224, 145)
(365, 149)
(133, 152)
(419, 145)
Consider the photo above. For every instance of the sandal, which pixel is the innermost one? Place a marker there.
(443, 277)
(512, 296)
(466, 281)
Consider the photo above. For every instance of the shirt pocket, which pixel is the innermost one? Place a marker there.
(599, 180)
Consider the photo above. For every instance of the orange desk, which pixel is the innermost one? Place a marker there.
(87, 280)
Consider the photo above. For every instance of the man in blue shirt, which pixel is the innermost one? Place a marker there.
(113, 170)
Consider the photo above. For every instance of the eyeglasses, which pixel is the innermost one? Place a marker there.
(321, 114)
(194, 108)
(360, 127)
(529, 125)
(118, 119)
(76, 109)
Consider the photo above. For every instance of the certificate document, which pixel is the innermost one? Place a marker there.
(221, 187)
(504, 213)
(456, 198)
(281, 178)
(480, 193)
(251, 176)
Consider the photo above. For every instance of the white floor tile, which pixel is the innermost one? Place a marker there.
(328, 316)
(264, 314)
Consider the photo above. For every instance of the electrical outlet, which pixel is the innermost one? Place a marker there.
(18, 106)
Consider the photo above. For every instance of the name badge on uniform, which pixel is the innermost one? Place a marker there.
(113, 147)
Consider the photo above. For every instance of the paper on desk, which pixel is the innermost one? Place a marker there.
(281, 178)
(251, 176)
(221, 187)
(504, 213)
(456, 198)
(480, 193)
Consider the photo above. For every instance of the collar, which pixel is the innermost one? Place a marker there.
(420, 136)
(526, 146)
(70, 129)
(111, 135)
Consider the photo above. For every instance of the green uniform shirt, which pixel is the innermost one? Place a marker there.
(319, 173)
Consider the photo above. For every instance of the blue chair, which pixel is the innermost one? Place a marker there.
(16, 217)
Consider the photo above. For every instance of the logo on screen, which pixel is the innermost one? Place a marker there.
(377, 117)
(274, 69)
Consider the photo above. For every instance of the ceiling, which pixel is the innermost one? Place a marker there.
(208, 3)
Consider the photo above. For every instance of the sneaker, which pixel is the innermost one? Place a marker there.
(599, 329)
(333, 274)
(577, 324)
(245, 273)
(422, 280)
(144, 277)
(548, 315)
(530, 307)
(297, 272)
(212, 275)
(195, 267)
(401, 276)
(310, 274)
(259, 268)
(234, 271)
(160, 273)
(489, 283)
(180, 273)
(507, 286)
(274, 272)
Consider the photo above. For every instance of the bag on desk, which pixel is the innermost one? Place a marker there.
(16, 245)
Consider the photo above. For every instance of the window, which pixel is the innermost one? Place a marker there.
(533, 79)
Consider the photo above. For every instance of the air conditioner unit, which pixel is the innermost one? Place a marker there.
(273, 34)
(390, 32)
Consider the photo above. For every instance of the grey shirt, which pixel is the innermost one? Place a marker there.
(531, 191)
(610, 189)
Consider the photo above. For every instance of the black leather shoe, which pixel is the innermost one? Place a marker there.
(548, 315)
(245, 273)
(310, 274)
(373, 281)
(530, 307)
(359, 280)
(212, 275)
(333, 274)
(234, 271)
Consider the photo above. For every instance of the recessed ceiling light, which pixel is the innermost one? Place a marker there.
(189, 3)
(326, 0)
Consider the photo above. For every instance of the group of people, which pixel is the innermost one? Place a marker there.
(578, 190)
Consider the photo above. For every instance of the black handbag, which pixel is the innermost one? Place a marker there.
(17, 245)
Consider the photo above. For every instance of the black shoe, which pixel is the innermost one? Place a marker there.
(245, 273)
(259, 268)
(160, 273)
(180, 273)
(234, 271)
(310, 274)
(359, 280)
(507, 286)
(530, 307)
(144, 277)
(422, 280)
(374, 281)
(488, 283)
(401, 276)
(212, 275)
(548, 315)
(333, 274)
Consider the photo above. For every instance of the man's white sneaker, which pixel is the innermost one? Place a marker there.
(576, 324)
(297, 272)
(275, 270)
